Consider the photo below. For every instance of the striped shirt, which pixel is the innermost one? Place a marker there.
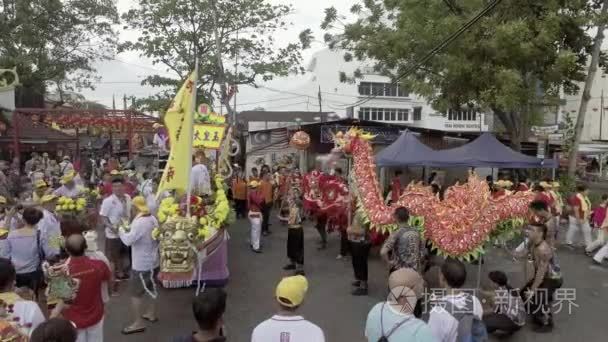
(21, 247)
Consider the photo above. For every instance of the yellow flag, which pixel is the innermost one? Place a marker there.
(179, 121)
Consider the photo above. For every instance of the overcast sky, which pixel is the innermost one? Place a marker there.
(122, 76)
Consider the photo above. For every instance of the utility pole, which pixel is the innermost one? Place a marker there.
(236, 73)
(320, 99)
(218, 56)
(602, 112)
(124, 102)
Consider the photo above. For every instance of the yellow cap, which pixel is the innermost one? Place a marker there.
(48, 198)
(67, 178)
(40, 184)
(555, 184)
(545, 185)
(291, 291)
(3, 233)
(2, 200)
(114, 172)
(156, 125)
(254, 184)
(140, 203)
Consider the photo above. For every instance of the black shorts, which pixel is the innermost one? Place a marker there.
(113, 249)
(139, 279)
(32, 280)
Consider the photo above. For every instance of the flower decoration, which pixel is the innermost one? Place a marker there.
(67, 205)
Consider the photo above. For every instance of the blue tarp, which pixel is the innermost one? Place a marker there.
(407, 150)
(487, 151)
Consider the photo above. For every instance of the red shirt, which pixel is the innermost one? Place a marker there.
(545, 197)
(395, 189)
(105, 189)
(130, 189)
(87, 309)
(576, 202)
(256, 201)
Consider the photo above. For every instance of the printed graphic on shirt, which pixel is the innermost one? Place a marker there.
(285, 337)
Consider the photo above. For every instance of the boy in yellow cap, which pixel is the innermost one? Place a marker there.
(144, 255)
(40, 189)
(255, 201)
(287, 325)
(68, 187)
(49, 226)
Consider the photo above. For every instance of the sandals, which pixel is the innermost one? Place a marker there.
(128, 331)
(150, 319)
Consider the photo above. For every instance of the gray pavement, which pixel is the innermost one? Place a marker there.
(329, 304)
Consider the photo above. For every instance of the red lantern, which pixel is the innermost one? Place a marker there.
(300, 140)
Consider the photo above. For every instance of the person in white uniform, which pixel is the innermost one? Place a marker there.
(199, 178)
(144, 253)
(287, 325)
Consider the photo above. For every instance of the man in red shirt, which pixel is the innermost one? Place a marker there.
(396, 186)
(105, 188)
(579, 218)
(87, 309)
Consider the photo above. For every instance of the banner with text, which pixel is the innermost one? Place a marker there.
(208, 136)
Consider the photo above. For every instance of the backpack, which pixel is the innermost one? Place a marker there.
(470, 328)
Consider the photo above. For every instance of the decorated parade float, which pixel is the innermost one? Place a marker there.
(458, 226)
(194, 211)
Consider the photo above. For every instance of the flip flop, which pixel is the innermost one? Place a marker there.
(127, 331)
(150, 320)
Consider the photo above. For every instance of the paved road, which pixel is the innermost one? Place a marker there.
(329, 304)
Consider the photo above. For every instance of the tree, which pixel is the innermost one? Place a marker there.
(175, 32)
(586, 96)
(56, 41)
(512, 62)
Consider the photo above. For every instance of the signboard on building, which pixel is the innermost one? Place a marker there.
(544, 130)
(461, 126)
(540, 153)
(384, 135)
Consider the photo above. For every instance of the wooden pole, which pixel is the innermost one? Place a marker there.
(16, 148)
(130, 133)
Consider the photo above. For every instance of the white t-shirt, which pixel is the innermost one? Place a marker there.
(144, 249)
(199, 180)
(28, 313)
(69, 192)
(160, 141)
(115, 210)
(443, 325)
(287, 329)
(50, 231)
(66, 167)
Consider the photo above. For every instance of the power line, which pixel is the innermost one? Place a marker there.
(298, 94)
(437, 49)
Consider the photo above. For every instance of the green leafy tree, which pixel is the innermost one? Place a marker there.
(512, 62)
(56, 42)
(175, 32)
